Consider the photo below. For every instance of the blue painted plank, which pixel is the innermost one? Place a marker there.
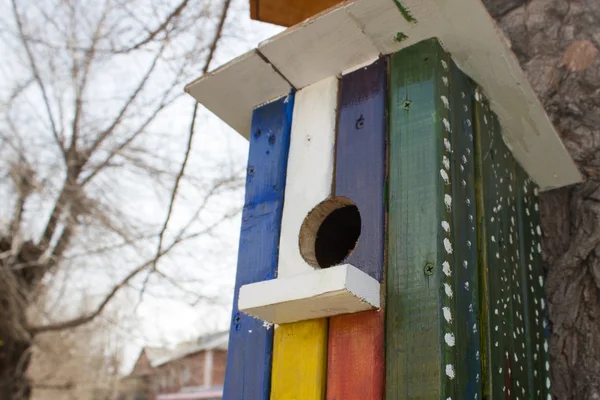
(361, 158)
(356, 357)
(248, 372)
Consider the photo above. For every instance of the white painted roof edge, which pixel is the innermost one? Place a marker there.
(355, 32)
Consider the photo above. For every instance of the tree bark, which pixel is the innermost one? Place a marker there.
(556, 42)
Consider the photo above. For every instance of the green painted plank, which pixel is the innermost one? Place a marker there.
(512, 311)
(512, 304)
(492, 271)
(419, 363)
(482, 141)
(466, 280)
(533, 290)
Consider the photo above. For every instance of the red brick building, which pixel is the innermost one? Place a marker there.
(192, 371)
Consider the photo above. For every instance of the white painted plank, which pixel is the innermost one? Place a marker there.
(309, 169)
(332, 291)
(381, 21)
(333, 41)
(358, 31)
(235, 89)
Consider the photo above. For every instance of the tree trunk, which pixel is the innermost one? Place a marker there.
(17, 279)
(557, 44)
(14, 360)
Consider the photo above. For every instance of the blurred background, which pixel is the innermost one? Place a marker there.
(120, 197)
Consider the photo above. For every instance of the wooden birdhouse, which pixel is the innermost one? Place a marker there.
(390, 240)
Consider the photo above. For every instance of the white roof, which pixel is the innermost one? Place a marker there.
(215, 341)
(358, 31)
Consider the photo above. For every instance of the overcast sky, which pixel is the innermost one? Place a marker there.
(167, 322)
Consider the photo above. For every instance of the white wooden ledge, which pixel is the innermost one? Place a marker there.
(357, 31)
(342, 289)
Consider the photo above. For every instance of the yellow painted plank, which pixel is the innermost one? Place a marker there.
(300, 361)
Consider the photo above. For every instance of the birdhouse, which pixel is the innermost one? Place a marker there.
(390, 240)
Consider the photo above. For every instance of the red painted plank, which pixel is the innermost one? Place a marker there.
(355, 361)
(356, 353)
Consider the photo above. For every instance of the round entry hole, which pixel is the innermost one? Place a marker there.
(330, 232)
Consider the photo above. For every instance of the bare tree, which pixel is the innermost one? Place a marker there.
(85, 87)
(83, 363)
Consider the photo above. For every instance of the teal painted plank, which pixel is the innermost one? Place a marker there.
(418, 311)
(466, 278)
(248, 372)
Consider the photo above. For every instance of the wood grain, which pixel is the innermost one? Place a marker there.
(509, 246)
(340, 289)
(356, 357)
(466, 278)
(360, 164)
(413, 314)
(300, 361)
(248, 371)
(302, 345)
(261, 84)
(355, 369)
(310, 167)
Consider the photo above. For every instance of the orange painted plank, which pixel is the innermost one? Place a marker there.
(287, 12)
(355, 360)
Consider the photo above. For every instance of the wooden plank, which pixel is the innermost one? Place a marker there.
(449, 318)
(250, 341)
(221, 92)
(532, 276)
(496, 375)
(325, 40)
(288, 12)
(302, 291)
(360, 30)
(360, 165)
(355, 368)
(300, 352)
(416, 237)
(466, 278)
(504, 208)
(510, 366)
(322, 293)
(310, 168)
(356, 358)
(300, 361)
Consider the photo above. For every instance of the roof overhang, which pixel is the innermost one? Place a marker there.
(355, 32)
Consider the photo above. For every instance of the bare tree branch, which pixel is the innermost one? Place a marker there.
(180, 237)
(103, 135)
(192, 130)
(72, 323)
(161, 28)
(34, 69)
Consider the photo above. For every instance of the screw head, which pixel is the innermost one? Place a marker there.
(428, 269)
(360, 122)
